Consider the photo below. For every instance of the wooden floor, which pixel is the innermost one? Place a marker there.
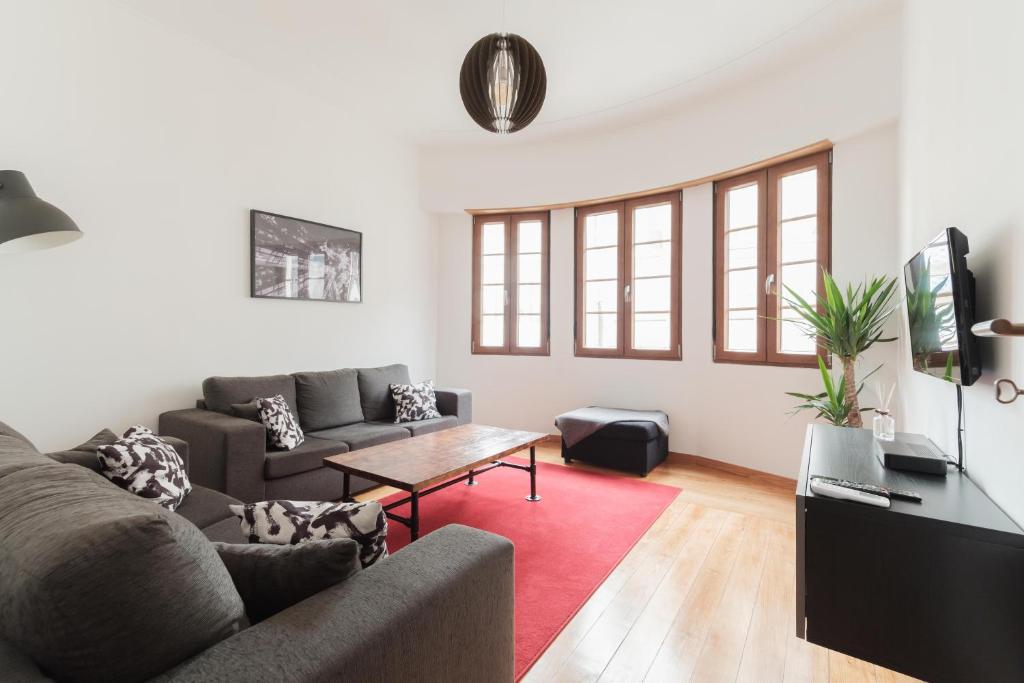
(705, 595)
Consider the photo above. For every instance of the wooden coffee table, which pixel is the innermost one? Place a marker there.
(429, 463)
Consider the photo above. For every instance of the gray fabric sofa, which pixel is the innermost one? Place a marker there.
(92, 574)
(339, 411)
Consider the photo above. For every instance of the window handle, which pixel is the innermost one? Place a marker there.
(768, 283)
(625, 292)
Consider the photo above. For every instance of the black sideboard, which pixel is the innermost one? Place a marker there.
(933, 590)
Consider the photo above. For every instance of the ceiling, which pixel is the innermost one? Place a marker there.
(607, 61)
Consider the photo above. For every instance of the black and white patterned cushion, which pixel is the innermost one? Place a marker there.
(414, 402)
(288, 522)
(282, 427)
(146, 465)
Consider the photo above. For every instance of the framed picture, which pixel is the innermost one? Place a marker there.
(297, 259)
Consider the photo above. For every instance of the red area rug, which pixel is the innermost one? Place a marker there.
(566, 544)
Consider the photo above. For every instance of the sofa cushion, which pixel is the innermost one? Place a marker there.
(309, 456)
(433, 425)
(205, 507)
(328, 399)
(364, 434)
(271, 578)
(375, 391)
(7, 430)
(290, 522)
(98, 584)
(225, 531)
(220, 392)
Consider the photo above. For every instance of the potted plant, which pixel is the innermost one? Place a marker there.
(846, 326)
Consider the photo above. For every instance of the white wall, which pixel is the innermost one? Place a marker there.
(733, 413)
(158, 146)
(963, 105)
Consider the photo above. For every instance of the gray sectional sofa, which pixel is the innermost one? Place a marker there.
(97, 584)
(338, 410)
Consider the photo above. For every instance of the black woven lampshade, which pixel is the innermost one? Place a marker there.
(503, 83)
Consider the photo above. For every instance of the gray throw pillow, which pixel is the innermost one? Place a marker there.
(99, 585)
(85, 454)
(271, 578)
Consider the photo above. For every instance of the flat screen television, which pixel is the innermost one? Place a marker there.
(940, 310)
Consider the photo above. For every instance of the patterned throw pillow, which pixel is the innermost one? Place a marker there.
(146, 465)
(288, 522)
(414, 402)
(282, 427)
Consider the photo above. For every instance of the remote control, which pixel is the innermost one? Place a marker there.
(823, 488)
(871, 488)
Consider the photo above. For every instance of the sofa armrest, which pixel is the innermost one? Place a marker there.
(440, 609)
(225, 453)
(457, 402)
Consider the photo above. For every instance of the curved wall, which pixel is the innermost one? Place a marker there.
(733, 413)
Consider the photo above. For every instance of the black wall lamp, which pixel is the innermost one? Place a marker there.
(27, 222)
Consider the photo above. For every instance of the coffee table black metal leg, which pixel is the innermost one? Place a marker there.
(472, 479)
(414, 517)
(346, 487)
(533, 497)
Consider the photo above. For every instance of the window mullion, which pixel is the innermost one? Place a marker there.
(511, 278)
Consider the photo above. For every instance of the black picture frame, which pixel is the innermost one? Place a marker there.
(276, 274)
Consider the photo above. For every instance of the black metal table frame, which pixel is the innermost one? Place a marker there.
(413, 520)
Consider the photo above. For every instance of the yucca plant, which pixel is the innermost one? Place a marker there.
(833, 404)
(847, 326)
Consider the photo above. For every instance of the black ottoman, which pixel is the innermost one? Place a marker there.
(635, 447)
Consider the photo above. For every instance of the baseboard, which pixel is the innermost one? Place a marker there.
(738, 470)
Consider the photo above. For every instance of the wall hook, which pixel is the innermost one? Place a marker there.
(1011, 394)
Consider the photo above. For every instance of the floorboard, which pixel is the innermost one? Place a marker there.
(707, 593)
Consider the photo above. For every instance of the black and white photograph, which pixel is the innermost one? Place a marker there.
(298, 259)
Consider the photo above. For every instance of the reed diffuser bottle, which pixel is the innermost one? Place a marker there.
(884, 426)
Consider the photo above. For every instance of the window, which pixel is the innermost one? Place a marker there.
(772, 230)
(628, 270)
(510, 284)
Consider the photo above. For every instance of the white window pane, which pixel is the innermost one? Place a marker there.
(492, 330)
(529, 237)
(493, 271)
(792, 338)
(742, 288)
(799, 194)
(741, 332)
(528, 334)
(494, 238)
(802, 278)
(528, 299)
(741, 248)
(600, 331)
(741, 207)
(800, 240)
(602, 297)
(652, 223)
(602, 263)
(651, 331)
(602, 230)
(492, 299)
(652, 295)
(652, 259)
(529, 268)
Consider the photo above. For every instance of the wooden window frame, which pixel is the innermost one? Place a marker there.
(768, 246)
(624, 311)
(511, 285)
